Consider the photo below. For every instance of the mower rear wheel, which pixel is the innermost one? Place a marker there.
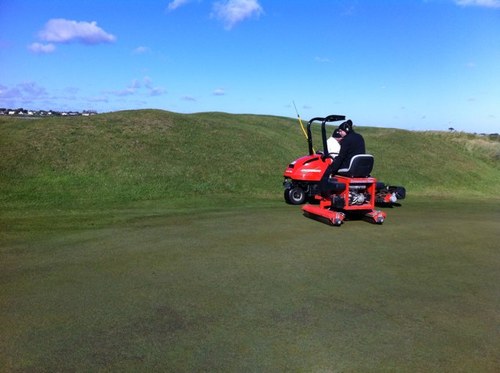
(337, 222)
(295, 196)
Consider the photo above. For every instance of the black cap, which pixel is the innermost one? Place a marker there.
(346, 126)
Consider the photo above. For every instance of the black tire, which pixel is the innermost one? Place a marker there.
(295, 196)
(285, 195)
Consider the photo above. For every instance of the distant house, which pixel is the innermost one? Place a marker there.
(42, 113)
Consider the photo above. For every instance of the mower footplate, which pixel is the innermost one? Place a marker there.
(334, 217)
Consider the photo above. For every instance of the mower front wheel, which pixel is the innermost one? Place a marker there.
(295, 196)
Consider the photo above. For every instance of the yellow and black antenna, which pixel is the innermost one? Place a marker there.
(300, 120)
(301, 125)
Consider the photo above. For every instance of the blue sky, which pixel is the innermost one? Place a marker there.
(416, 64)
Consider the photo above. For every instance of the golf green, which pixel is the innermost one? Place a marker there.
(257, 289)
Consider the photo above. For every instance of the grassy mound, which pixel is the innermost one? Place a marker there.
(187, 160)
(124, 157)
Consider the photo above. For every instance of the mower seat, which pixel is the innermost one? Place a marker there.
(360, 166)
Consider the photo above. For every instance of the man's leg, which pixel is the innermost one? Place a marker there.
(323, 183)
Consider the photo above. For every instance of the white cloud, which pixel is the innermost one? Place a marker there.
(148, 82)
(40, 48)
(32, 89)
(136, 87)
(176, 4)
(219, 92)
(23, 92)
(8, 93)
(124, 92)
(152, 90)
(322, 59)
(98, 99)
(483, 3)
(130, 90)
(141, 50)
(65, 31)
(232, 12)
(156, 91)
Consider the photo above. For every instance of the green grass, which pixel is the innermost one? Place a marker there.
(436, 163)
(150, 155)
(258, 289)
(154, 241)
(127, 156)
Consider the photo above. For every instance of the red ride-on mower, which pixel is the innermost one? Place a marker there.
(303, 175)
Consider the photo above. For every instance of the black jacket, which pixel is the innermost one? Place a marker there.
(351, 145)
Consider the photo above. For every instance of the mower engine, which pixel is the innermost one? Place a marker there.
(356, 198)
(358, 195)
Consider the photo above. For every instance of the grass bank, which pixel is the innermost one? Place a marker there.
(131, 157)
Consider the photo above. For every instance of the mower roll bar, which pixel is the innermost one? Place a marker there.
(329, 118)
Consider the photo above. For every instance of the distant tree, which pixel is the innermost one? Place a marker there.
(451, 129)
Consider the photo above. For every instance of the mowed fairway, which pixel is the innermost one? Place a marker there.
(258, 289)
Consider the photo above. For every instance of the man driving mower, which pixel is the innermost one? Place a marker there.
(352, 144)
